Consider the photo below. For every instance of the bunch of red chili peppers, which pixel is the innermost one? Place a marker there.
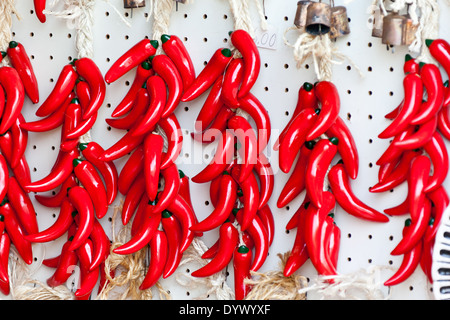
(87, 185)
(17, 213)
(313, 137)
(418, 156)
(240, 176)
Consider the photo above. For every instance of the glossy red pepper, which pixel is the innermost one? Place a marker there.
(60, 172)
(19, 59)
(173, 232)
(225, 204)
(39, 7)
(266, 216)
(249, 197)
(242, 258)
(299, 252)
(264, 172)
(15, 97)
(4, 177)
(158, 253)
(440, 201)
(136, 55)
(21, 171)
(206, 78)
(88, 278)
(91, 152)
(172, 130)
(55, 200)
(171, 187)
(319, 161)
(246, 46)
(410, 261)
(440, 50)
(417, 181)
(132, 199)
(211, 107)
(223, 156)
(330, 105)
(139, 214)
(51, 122)
(138, 108)
(5, 246)
(66, 262)
(22, 204)
(143, 72)
(340, 186)
(295, 137)
(91, 180)
(82, 128)
(125, 145)
(420, 137)
(398, 210)
(82, 202)
(153, 148)
(229, 239)
(19, 141)
(90, 72)
(393, 152)
(294, 221)
(217, 127)
(131, 169)
(232, 80)
(410, 65)
(101, 244)
(334, 239)
(413, 94)
(444, 122)
(437, 152)
(185, 189)
(71, 119)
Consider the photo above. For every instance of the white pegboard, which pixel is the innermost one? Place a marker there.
(204, 27)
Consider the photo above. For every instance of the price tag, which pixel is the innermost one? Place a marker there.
(267, 39)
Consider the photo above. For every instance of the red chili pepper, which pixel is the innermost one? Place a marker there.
(242, 258)
(295, 137)
(223, 156)
(143, 72)
(90, 72)
(444, 122)
(249, 198)
(260, 116)
(39, 7)
(393, 152)
(88, 278)
(93, 183)
(153, 148)
(232, 80)
(144, 234)
(171, 187)
(346, 198)
(139, 214)
(299, 253)
(66, 262)
(315, 237)
(266, 178)
(432, 80)
(82, 128)
(138, 109)
(132, 198)
(185, 215)
(16, 232)
(62, 89)
(82, 202)
(426, 260)
(229, 238)
(101, 244)
(225, 204)
(158, 253)
(440, 50)
(440, 201)
(347, 147)
(15, 96)
(136, 55)
(5, 246)
(19, 141)
(294, 221)
(53, 201)
(410, 65)
(419, 138)
(173, 232)
(417, 181)
(206, 78)
(132, 168)
(21, 62)
(60, 172)
(72, 117)
(217, 127)
(319, 161)
(411, 260)
(174, 134)
(58, 228)
(437, 152)
(185, 189)
(22, 204)
(91, 152)
(244, 43)
(398, 210)
(328, 98)
(413, 94)
(266, 216)
(211, 107)
(4, 177)
(125, 145)
(21, 171)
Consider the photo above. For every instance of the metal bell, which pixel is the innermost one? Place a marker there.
(318, 18)
(300, 15)
(377, 28)
(339, 22)
(130, 4)
(398, 30)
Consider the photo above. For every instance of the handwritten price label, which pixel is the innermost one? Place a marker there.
(267, 39)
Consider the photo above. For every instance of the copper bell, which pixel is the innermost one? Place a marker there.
(339, 22)
(130, 4)
(377, 28)
(300, 15)
(318, 18)
(398, 29)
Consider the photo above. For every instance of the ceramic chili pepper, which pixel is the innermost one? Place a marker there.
(413, 93)
(139, 214)
(143, 72)
(249, 198)
(101, 245)
(440, 201)
(223, 156)
(15, 93)
(330, 104)
(211, 107)
(444, 122)
(334, 239)
(22, 204)
(153, 148)
(231, 82)
(158, 253)
(5, 246)
(346, 198)
(206, 78)
(19, 140)
(398, 210)
(420, 137)
(125, 145)
(53, 201)
(83, 127)
(217, 127)
(264, 172)
(39, 7)
(426, 260)
(242, 258)
(393, 152)
(136, 55)
(299, 252)
(82, 202)
(172, 130)
(229, 238)
(319, 161)
(72, 118)
(21, 62)
(4, 177)
(131, 169)
(91, 152)
(172, 229)
(64, 268)
(266, 216)
(417, 181)
(410, 65)
(437, 152)
(88, 278)
(21, 171)
(225, 204)
(295, 137)
(246, 46)
(294, 221)
(440, 50)
(410, 261)
(132, 198)
(171, 187)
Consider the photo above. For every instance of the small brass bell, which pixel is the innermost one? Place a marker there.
(300, 15)
(398, 29)
(130, 4)
(318, 18)
(377, 28)
(339, 22)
